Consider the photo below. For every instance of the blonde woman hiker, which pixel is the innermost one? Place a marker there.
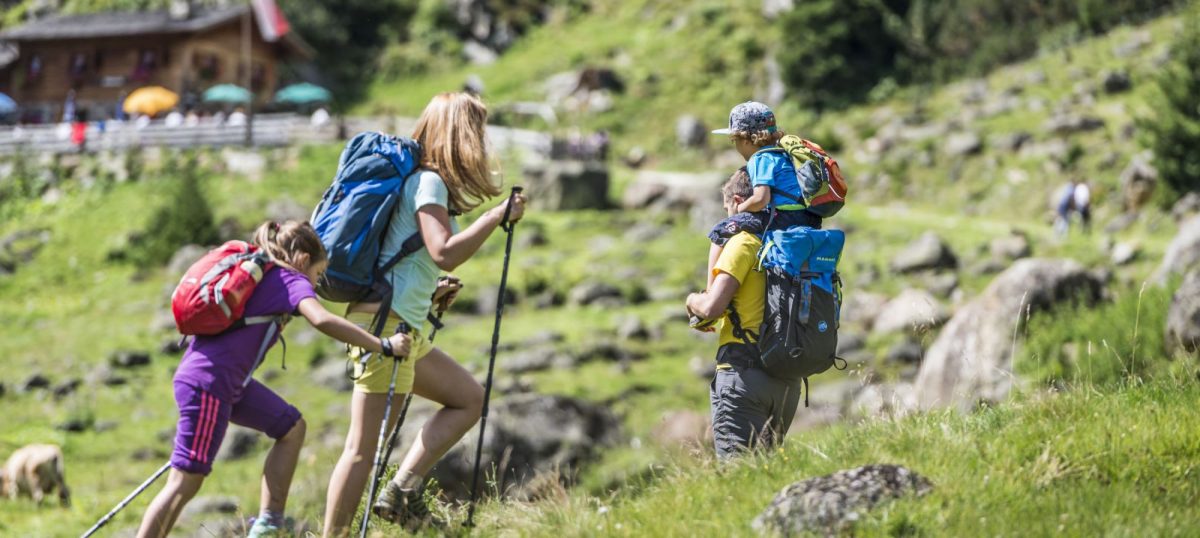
(455, 177)
(215, 385)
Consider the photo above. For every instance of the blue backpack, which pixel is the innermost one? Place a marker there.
(354, 213)
(798, 336)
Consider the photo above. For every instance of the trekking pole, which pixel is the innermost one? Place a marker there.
(104, 520)
(487, 387)
(387, 414)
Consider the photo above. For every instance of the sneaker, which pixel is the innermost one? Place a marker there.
(262, 529)
(405, 508)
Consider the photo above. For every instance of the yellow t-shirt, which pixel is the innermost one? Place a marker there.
(739, 259)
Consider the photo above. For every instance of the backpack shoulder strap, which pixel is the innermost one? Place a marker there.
(740, 332)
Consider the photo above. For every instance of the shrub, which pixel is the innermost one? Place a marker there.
(185, 218)
(1174, 128)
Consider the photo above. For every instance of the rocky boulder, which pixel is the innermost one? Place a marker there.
(971, 360)
(1183, 317)
(690, 132)
(239, 443)
(913, 310)
(20, 247)
(1138, 180)
(928, 252)
(129, 359)
(1013, 246)
(1186, 207)
(331, 374)
(829, 505)
(671, 190)
(862, 307)
(566, 185)
(962, 144)
(587, 293)
(1068, 124)
(1117, 81)
(683, 429)
(530, 435)
(1183, 253)
(184, 258)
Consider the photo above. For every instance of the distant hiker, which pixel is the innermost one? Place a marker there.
(455, 177)
(1075, 197)
(35, 470)
(214, 384)
(749, 408)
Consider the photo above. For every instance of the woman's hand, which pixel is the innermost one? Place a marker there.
(401, 344)
(447, 292)
(518, 208)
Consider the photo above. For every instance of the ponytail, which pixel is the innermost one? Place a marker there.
(292, 244)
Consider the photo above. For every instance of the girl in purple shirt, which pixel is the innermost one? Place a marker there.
(214, 384)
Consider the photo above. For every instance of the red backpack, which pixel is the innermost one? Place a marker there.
(212, 296)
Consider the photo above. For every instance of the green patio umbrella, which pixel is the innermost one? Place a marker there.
(303, 93)
(227, 93)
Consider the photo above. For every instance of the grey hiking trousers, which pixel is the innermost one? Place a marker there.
(750, 409)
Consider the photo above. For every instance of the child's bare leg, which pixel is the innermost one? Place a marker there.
(714, 252)
(280, 467)
(165, 508)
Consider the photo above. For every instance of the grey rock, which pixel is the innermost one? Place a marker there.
(913, 310)
(645, 232)
(905, 352)
(66, 388)
(1183, 316)
(1067, 124)
(1183, 254)
(666, 191)
(1117, 81)
(631, 327)
(107, 376)
(831, 504)
(971, 359)
(331, 374)
(605, 351)
(1010, 141)
(566, 185)
(239, 443)
(34, 382)
(690, 132)
(478, 53)
(587, 293)
(1011, 247)
(21, 247)
(1138, 181)
(75, 425)
(1125, 253)
(285, 209)
(1120, 223)
(774, 8)
(129, 359)
(531, 360)
(1131, 46)
(849, 342)
(172, 346)
(960, 144)
(702, 368)
(184, 258)
(251, 164)
(987, 266)
(926, 253)
(705, 214)
(1187, 206)
(883, 400)
(942, 285)
(527, 436)
(485, 300)
(862, 307)
(210, 504)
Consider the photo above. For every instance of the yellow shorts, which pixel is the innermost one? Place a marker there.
(378, 374)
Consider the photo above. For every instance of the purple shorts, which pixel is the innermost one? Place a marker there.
(203, 419)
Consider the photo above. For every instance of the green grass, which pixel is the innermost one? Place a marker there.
(1118, 461)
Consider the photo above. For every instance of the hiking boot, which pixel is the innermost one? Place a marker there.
(405, 508)
(263, 529)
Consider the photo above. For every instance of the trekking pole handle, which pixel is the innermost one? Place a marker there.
(505, 224)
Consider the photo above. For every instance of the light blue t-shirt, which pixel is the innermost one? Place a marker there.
(414, 279)
(774, 169)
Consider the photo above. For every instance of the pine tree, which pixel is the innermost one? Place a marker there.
(1174, 128)
(185, 218)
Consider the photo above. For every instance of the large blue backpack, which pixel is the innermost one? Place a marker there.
(354, 213)
(799, 333)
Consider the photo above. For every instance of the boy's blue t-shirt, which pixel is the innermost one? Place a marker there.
(774, 169)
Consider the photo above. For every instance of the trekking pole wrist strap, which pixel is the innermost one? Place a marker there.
(386, 346)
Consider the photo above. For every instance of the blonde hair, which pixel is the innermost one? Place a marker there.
(292, 244)
(759, 138)
(450, 132)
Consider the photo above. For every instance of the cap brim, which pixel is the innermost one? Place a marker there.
(722, 131)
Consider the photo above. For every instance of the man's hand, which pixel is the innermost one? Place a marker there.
(447, 292)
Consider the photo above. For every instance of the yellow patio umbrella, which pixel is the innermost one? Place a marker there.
(150, 100)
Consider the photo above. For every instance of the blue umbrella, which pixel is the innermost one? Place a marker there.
(303, 93)
(7, 105)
